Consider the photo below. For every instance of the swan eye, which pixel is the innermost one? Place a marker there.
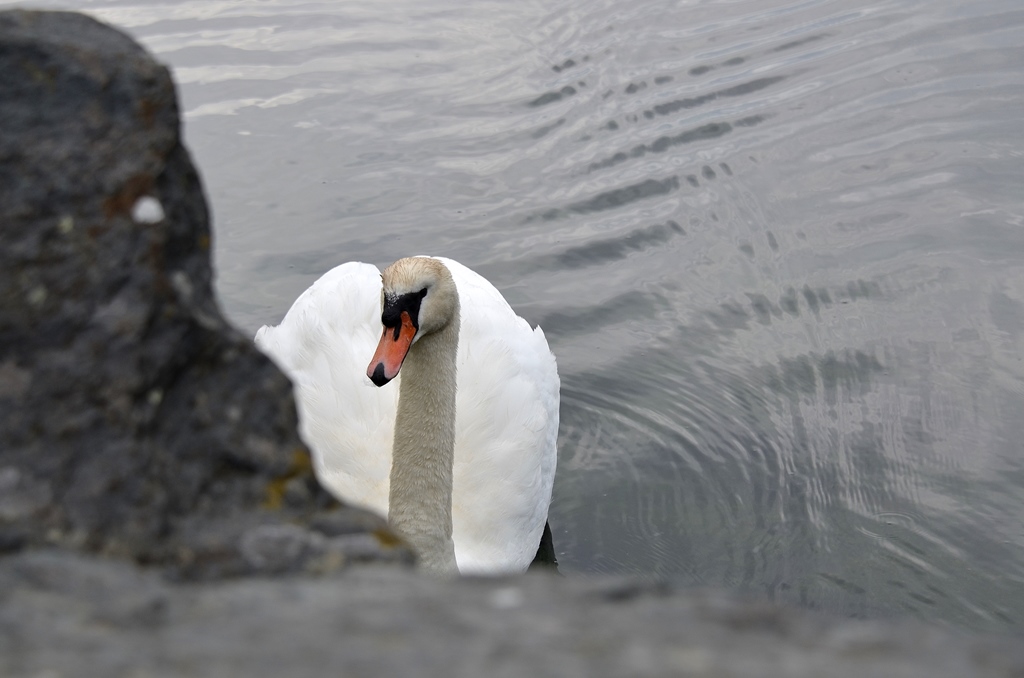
(394, 306)
(389, 316)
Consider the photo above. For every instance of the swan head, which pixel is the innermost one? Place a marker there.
(418, 298)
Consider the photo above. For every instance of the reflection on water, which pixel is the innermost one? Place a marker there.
(777, 248)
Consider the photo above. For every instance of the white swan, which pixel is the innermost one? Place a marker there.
(471, 426)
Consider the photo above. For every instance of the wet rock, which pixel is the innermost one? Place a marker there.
(134, 421)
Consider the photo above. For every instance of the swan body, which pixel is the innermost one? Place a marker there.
(492, 485)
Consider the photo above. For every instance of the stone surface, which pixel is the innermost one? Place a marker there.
(134, 421)
(66, 615)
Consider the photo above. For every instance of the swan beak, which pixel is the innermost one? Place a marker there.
(391, 351)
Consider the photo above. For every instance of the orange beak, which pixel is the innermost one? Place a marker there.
(391, 351)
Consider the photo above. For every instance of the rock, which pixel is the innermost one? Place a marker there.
(134, 421)
(63, 614)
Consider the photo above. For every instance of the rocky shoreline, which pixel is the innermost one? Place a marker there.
(158, 513)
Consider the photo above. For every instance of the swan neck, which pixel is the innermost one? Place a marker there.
(420, 501)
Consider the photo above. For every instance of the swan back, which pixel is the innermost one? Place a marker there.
(506, 430)
(323, 344)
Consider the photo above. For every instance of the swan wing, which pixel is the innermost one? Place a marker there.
(324, 344)
(506, 431)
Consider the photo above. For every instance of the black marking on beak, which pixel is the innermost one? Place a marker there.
(378, 377)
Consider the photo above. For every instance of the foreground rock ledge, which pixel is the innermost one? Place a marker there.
(136, 424)
(67, 615)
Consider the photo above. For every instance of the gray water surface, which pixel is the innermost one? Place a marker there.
(776, 246)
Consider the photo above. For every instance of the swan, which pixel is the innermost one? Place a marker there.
(425, 398)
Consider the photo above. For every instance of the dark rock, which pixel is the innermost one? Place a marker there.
(134, 421)
(63, 614)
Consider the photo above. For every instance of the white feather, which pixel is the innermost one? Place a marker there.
(506, 409)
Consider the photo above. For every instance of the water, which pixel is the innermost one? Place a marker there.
(777, 248)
